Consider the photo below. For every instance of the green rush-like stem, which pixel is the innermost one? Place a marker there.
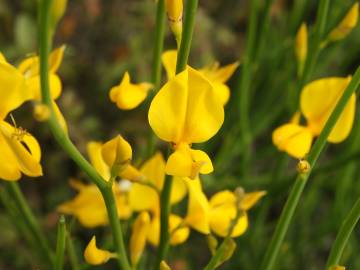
(187, 32)
(71, 251)
(301, 179)
(60, 244)
(342, 237)
(164, 221)
(66, 144)
(31, 221)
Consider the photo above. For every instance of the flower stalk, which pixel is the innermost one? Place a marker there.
(66, 144)
(60, 244)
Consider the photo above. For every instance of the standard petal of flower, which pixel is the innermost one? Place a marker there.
(95, 256)
(138, 238)
(293, 139)
(94, 152)
(27, 163)
(13, 90)
(154, 170)
(222, 91)
(117, 151)
(167, 112)
(251, 198)
(178, 234)
(220, 75)
(143, 197)
(169, 59)
(222, 197)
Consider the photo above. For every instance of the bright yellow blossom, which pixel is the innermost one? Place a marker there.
(138, 237)
(301, 43)
(217, 76)
(127, 95)
(317, 101)
(186, 110)
(95, 256)
(346, 25)
(174, 11)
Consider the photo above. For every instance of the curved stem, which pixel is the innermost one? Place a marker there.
(300, 182)
(66, 144)
(60, 244)
(343, 236)
(188, 29)
(31, 221)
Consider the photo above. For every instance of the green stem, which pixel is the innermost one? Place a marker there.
(66, 144)
(31, 221)
(60, 244)
(73, 258)
(343, 236)
(164, 221)
(298, 187)
(187, 32)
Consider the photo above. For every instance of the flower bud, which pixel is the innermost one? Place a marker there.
(337, 267)
(174, 10)
(303, 166)
(301, 46)
(96, 256)
(164, 266)
(138, 237)
(346, 25)
(229, 249)
(41, 112)
(212, 243)
(57, 11)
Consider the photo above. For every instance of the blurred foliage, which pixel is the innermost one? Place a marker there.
(106, 38)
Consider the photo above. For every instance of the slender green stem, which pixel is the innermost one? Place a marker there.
(31, 221)
(60, 244)
(343, 236)
(187, 32)
(164, 221)
(73, 258)
(300, 182)
(66, 144)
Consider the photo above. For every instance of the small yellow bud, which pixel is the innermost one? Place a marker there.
(212, 243)
(337, 267)
(116, 152)
(96, 256)
(230, 247)
(346, 25)
(138, 237)
(303, 166)
(174, 10)
(57, 11)
(164, 266)
(301, 46)
(41, 112)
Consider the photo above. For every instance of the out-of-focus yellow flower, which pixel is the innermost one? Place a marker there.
(301, 47)
(57, 11)
(138, 238)
(95, 256)
(317, 101)
(20, 153)
(217, 75)
(193, 115)
(127, 95)
(174, 11)
(41, 112)
(337, 267)
(153, 172)
(88, 205)
(223, 209)
(164, 266)
(346, 25)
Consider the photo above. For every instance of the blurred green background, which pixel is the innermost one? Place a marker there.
(106, 38)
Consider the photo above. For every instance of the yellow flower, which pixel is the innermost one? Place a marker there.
(127, 95)
(346, 25)
(95, 256)
(174, 11)
(186, 110)
(20, 153)
(88, 206)
(301, 43)
(153, 176)
(139, 234)
(217, 76)
(57, 11)
(317, 101)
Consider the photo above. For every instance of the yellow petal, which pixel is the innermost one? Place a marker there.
(318, 100)
(132, 174)
(193, 112)
(9, 169)
(34, 87)
(222, 91)
(95, 256)
(220, 75)
(222, 197)
(293, 139)
(27, 161)
(178, 234)
(301, 43)
(198, 210)
(41, 112)
(178, 190)
(347, 24)
(251, 198)
(2, 58)
(117, 151)
(186, 162)
(143, 197)
(154, 170)
(94, 151)
(169, 59)
(138, 238)
(13, 90)
(122, 201)
(128, 96)
(154, 231)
